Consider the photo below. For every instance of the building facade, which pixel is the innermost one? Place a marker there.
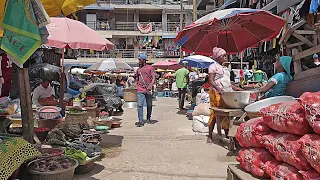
(137, 26)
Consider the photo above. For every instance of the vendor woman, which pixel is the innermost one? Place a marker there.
(42, 92)
(219, 79)
(277, 84)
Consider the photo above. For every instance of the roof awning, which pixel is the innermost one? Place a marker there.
(96, 7)
(169, 36)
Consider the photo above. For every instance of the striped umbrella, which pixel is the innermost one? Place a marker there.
(198, 61)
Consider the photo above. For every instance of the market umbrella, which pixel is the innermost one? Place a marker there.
(170, 65)
(232, 29)
(66, 7)
(68, 33)
(198, 61)
(108, 65)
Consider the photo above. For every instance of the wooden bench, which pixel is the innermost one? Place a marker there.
(235, 172)
(230, 114)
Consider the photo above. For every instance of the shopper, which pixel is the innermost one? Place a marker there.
(146, 76)
(182, 80)
(316, 60)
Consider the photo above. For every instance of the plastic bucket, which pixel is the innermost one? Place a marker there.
(258, 76)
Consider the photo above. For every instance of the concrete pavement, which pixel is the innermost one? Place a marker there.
(166, 150)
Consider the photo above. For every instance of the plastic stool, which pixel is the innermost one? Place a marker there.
(166, 93)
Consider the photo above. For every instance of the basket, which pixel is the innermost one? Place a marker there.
(130, 95)
(49, 123)
(79, 118)
(54, 112)
(252, 115)
(64, 174)
(91, 112)
(103, 123)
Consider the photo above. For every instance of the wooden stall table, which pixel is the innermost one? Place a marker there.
(220, 113)
(235, 172)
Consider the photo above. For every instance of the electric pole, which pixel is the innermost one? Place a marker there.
(194, 4)
(181, 24)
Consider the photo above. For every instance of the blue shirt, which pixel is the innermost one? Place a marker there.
(279, 89)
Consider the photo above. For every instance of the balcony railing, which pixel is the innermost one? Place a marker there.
(132, 26)
(132, 2)
(131, 53)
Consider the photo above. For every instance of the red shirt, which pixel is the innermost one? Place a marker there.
(6, 67)
(144, 81)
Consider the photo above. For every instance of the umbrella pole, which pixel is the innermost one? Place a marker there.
(62, 78)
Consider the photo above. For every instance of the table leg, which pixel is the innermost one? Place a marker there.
(218, 119)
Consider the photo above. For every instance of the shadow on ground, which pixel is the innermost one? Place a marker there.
(97, 168)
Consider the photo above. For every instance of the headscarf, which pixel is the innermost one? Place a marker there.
(217, 52)
(285, 61)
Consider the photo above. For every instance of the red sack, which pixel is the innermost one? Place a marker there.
(249, 134)
(311, 104)
(286, 117)
(269, 166)
(286, 148)
(310, 175)
(311, 150)
(285, 171)
(254, 159)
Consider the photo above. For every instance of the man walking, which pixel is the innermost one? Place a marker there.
(145, 79)
(182, 79)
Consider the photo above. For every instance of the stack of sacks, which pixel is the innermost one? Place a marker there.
(291, 138)
(201, 116)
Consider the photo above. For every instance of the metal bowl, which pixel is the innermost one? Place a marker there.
(239, 99)
(257, 106)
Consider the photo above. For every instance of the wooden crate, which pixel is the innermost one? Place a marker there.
(235, 172)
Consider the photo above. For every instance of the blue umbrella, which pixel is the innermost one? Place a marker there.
(198, 61)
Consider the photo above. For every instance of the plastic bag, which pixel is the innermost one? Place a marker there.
(200, 124)
(254, 159)
(311, 150)
(286, 148)
(310, 175)
(285, 171)
(311, 104)
(288, 117)
(249, 134)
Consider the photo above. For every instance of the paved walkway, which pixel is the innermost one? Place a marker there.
(168, 149)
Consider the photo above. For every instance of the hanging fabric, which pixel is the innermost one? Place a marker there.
(145, 28)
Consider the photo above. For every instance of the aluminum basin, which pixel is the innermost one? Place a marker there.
(257, 106)
(239, 99)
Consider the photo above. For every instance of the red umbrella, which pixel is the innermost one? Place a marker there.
(68, 33)
(232, 29)
(171, 65)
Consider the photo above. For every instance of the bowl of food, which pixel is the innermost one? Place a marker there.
(239, 99)
(49, 112)
(116, 124)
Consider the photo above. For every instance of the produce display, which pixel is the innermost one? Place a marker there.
(51, 164)
(311, 104)
(253, 160)
(250, 134)
(286, 148)
(294, 146)
(287, 117)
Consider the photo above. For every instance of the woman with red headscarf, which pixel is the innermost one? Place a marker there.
(219, 79)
